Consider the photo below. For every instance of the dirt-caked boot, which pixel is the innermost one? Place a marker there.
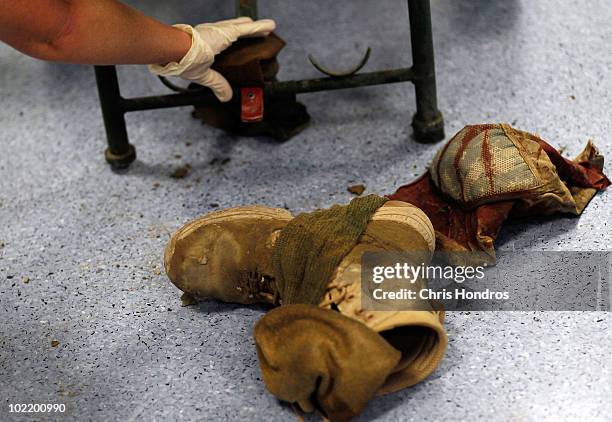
(233, 255)
(316, 356)
(342, 353)
(227, 254)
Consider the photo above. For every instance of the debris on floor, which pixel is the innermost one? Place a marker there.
(68, 391)
(188, 300)
(356, 189)
(222, 161)
(181, 172)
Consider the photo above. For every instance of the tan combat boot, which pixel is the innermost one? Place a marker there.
(228, 255)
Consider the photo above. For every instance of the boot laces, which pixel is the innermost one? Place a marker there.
(260, 285)
(335, 294)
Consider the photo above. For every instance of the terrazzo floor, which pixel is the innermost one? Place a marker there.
(81, 246)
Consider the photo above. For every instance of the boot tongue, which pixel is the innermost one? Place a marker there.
(312, 245)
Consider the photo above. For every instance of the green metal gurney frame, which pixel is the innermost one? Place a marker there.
(427, 122)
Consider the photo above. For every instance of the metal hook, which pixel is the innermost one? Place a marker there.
(341, 73)
(177, 88)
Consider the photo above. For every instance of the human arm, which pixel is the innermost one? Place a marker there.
(109, 32)
(89, 32)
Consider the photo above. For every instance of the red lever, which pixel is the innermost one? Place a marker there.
(252, 104)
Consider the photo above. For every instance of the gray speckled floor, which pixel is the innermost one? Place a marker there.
(90, 241)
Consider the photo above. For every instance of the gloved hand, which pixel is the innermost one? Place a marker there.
(208, 40)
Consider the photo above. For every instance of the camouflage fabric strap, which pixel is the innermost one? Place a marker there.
(313, 244)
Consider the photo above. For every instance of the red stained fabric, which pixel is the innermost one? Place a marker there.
(577, 174)
(456, 229)
(476, 230)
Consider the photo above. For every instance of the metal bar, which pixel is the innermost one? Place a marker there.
(353, 81)
(167, 101)
(112, 111)
(273, 88)
(120, 153)
(246, 8)
(428, 123)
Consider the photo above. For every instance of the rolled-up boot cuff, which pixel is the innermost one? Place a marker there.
(422, 341)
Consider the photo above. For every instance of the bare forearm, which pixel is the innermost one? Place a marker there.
(90, 32)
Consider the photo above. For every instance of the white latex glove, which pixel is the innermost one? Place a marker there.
(208, 40)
